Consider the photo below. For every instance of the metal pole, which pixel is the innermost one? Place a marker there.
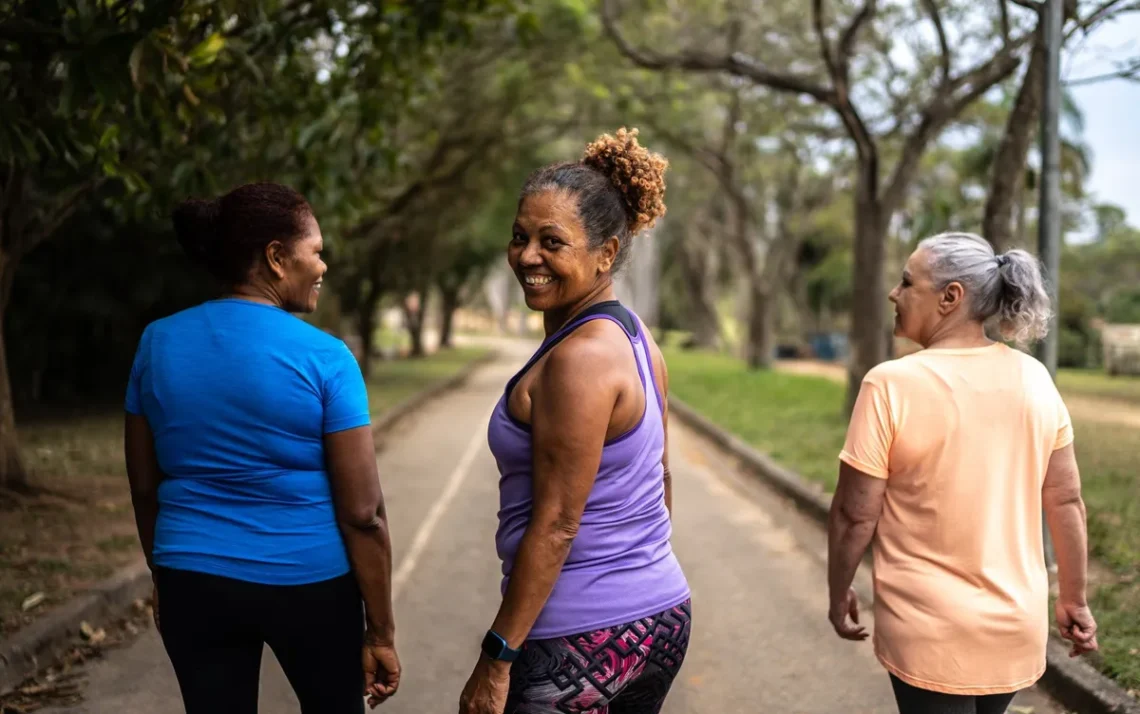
(1049, 218)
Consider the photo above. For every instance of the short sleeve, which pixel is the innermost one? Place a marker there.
(133, 403)
(870, 433)
(345, 396)
(1064, 425)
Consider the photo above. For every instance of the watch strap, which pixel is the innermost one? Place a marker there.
(496, 647)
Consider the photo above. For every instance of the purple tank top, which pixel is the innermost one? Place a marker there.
(621, 566)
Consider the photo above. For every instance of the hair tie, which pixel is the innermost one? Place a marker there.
(1002, 260)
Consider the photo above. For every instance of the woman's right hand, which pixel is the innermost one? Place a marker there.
(1077, 625)
(381, 670)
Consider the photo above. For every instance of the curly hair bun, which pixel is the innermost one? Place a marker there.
(637, 172)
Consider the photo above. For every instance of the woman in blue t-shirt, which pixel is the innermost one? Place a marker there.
(253, 473)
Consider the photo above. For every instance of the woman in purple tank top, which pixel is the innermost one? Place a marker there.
(595, 615)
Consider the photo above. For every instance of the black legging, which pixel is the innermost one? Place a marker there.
(214, 629)
(912, 700)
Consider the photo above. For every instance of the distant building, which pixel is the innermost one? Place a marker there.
(1121, 349)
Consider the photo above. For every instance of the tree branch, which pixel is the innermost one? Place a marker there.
(1103, 12)
(1005, 31)
(824, 44)
(696, 60)
(56, 216)
(944, 46)
(1130, 72)
(943, 107)
(847, 39)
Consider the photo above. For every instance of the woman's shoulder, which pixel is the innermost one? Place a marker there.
(893, 371)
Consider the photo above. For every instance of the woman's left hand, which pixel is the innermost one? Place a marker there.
(844, 616)
(486, 690)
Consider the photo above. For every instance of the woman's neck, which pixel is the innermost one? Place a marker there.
(254, 293)
(963, 335)
(555, 320)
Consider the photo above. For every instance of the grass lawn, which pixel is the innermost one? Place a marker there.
(1108, 455)
(393, 381)
(1096, 383)
(796, 420)
(81, 528)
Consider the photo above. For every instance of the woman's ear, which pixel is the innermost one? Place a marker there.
(609, 251)
(275, 258)
(952, 297)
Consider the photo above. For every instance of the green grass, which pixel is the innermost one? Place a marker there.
(1117, 610)
(1096, 383)
(795, 419)
(393, 381)
(1107, 455)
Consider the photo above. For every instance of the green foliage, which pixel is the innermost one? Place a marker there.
(1123, 306)
(116, 111)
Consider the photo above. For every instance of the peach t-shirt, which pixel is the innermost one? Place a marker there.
(963, 437)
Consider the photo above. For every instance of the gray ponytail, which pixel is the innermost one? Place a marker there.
(1009, 287)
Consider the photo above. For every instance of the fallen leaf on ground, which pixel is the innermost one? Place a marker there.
(92, 635)
(31, 601)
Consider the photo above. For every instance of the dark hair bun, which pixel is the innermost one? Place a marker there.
(637, 172)
(196, 227)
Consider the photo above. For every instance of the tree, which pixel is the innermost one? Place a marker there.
(135, 103)
(1003, 219)
(1110, 219)
(837, 78)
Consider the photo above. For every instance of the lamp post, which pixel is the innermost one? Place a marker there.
(1049, 213)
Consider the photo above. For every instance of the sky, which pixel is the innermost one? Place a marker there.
(1112, 114)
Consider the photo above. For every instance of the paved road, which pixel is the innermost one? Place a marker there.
(761, 641)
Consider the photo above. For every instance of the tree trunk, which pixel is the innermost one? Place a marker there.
(698, 270)
(414, 320)
(1008, 174)
(761, 321)
(868, 318)
(13, 472)
(366, 326)
(450, 297)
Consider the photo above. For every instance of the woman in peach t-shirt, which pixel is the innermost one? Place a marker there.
(951, 456)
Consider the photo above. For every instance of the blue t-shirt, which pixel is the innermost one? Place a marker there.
(239, 396)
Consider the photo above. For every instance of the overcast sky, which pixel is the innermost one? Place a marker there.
(1112, 114)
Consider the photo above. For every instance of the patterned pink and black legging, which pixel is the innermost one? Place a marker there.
(626, 669)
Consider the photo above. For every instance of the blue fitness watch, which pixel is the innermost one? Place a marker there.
(495, 647)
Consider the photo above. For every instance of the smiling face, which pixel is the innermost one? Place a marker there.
(299, 269)
(921, 307)
(551, 256)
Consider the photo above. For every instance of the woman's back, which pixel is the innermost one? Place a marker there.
(239, 396)
(964, 438)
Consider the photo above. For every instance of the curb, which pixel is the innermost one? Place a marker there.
(1073, 682)
(50, 637)
(389, 418)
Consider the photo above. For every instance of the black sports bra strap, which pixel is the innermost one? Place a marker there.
(609, 308)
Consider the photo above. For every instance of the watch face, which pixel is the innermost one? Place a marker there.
(493, 645)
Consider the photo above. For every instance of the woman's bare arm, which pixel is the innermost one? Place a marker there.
(572, 401)
(363, 522)
(144, 475)
(855, 511)
(1065, 514)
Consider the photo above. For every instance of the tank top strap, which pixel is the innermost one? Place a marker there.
(648, 373)
(610, 309)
